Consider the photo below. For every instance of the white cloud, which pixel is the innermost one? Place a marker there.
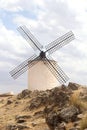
(13, 50)
(77, 5)
(21, 5)
(10, 5)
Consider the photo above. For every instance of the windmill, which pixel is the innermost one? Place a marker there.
(36, 62)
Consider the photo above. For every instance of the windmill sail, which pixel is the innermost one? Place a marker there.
(15, 73)
(30, 38)
(58, 68)
(59, 42)
(53, 71)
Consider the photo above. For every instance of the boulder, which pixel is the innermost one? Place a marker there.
(59, 96)
(69, 114)
(9, 102)
(24, 94)
(54, 118)
(41, 99)
(73, 86)
(61, 126)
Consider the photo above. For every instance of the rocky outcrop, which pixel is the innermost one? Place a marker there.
(47, 110)
(73, 86)
(57, 96)
(24, 94)
(69, 114)
(40, 100)
(54, 119)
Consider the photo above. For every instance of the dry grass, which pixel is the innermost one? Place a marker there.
(82, 106)
(76, 101)
(83, 123)
(69, 125)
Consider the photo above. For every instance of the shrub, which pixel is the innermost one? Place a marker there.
(83, 123)
(77, 102)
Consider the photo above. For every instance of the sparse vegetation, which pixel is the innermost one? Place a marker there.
(76, 101)
(83, 123)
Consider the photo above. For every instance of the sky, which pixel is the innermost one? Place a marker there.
(47, 20)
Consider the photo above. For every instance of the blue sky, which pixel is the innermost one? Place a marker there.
(47, 20)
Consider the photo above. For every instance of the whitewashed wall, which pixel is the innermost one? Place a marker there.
(40, 77)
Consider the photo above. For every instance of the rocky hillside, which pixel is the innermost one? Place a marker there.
(61, 108)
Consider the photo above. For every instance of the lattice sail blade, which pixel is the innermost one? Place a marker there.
(59, 42)
(56, 71)
(53, 71)
(58, 68)
(24, 31)
(63, 75)
(19, 70)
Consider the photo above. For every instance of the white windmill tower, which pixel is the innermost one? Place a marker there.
(43, 72)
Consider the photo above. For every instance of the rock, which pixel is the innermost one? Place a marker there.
(9, 102)
(59, 97)
(52, 120)
(22, 118)
(66, 89)
(73, 86)
(69, 114)
(39, 114)
(35, 103)
(22, 127)
(11, 127)
(24, 94)
(56, 96)
(16, 127)
(55, 118)
(34, 124)
(41, 99)
(61, 126)
(80, 116)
